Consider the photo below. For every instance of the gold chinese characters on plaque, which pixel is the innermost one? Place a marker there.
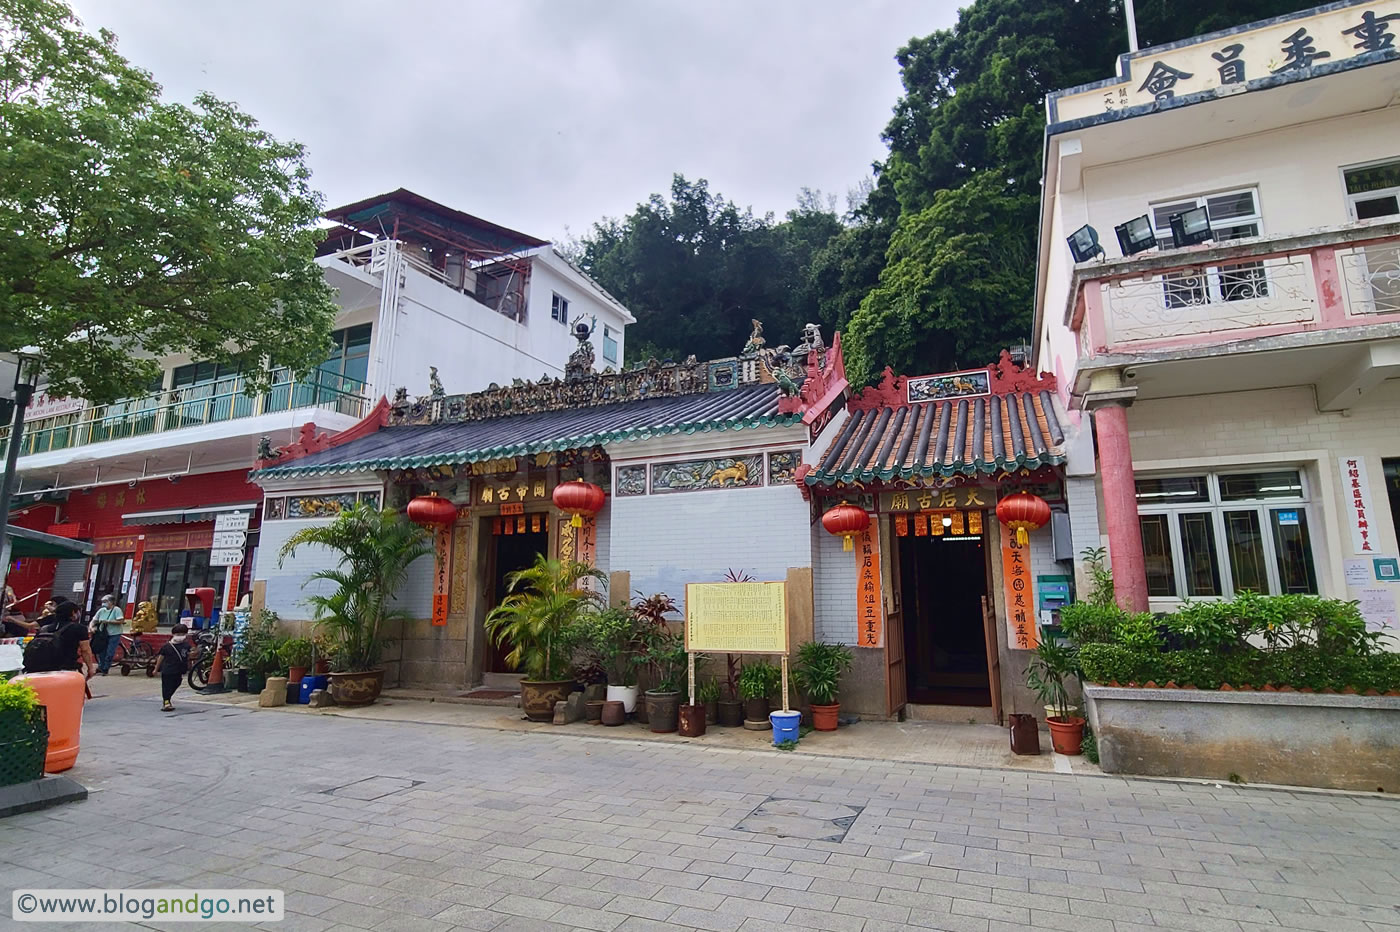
(736, 618)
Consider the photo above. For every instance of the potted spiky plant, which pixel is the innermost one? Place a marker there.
(540, 621)
(818, 674)
(375, 548)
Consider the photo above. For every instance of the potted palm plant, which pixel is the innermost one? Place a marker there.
(667, 656)
(374, 549)
(540, 621)
(757, 682)
(818, 674)
(296, 654)
(1045, 675)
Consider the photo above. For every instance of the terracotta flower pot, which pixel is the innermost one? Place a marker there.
(614, 713)
(824, 716)
(294, 674)
(692, 720)
(731, 713)
(537, 697)
(594, 710)
(663, 711)
(323, 668)
(1066, 735)
(360, 688)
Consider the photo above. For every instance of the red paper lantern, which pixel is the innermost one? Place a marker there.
(432, 511)
(848, 521)
(579, 498)
(1023, 513)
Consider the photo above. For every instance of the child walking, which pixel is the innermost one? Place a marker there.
(172, 662)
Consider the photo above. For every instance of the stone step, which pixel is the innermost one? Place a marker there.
(949, 714)
(509, 681)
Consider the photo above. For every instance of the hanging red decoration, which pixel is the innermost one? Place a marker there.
(579, 498)
(1023, 513)
(432, 511)
(846, 520)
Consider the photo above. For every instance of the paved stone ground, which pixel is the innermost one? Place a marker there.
(488, 830)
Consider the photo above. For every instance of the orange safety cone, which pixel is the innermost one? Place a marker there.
(216, 672)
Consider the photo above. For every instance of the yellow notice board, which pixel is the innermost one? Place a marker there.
(736, 618)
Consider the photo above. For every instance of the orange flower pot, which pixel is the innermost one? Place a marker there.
(1066, 734)
(824, 716)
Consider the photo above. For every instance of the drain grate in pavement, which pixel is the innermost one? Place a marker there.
(800, 818)
(372, 788)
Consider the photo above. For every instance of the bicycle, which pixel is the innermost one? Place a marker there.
(206, 644)
(132, 651)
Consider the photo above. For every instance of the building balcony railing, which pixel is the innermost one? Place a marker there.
(497, 285)
(1323, 280)
(194, 406)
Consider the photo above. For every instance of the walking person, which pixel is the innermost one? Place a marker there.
(172, 663)
(107, 625)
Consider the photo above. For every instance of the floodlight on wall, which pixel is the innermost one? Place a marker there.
(1190, 227)
(1136, 235)
(1084, 243)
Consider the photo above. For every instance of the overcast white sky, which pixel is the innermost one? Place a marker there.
(546, 115)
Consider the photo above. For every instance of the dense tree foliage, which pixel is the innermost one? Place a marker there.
(136, 227)
(935, 268)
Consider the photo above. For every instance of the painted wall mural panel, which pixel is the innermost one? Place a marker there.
(631, 480)
(716, 473)
(953, 385)
(783, 466)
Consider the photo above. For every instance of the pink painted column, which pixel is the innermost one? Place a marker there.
(1120, 506)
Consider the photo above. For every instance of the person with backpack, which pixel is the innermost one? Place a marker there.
(173, 662)
(61, 645)
(107, 625)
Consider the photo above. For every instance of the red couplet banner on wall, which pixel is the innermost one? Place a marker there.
(870, 611)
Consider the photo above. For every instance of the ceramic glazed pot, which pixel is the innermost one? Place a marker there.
(824, 716)
(1066, 734)
(356, 688)
(627, 695)
(731, 713)
(593, 710)
(537, 697)
(613, 713)
(663, 711)
(692, 720)
(756, 710)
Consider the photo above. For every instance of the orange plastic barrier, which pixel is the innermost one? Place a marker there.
(62, 694)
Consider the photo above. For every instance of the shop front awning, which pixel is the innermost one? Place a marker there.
(25, 543)
(963, 436)
(413, 446)
(185, 515)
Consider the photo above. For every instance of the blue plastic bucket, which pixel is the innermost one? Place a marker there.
(785, 726)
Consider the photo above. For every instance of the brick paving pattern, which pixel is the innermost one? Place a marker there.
(430, 828)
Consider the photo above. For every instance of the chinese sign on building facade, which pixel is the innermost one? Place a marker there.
(1357, 494)
(1021, 631)
(1231, 61)
(870, 610)
(736, 618)
(442, 574)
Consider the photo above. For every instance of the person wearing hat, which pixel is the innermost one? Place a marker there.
(108, 622)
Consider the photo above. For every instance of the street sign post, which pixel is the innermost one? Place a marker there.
(234, 521)
(230, 540)
(230, 557)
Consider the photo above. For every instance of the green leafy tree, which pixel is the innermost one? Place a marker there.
(136, 227)
(374, 549)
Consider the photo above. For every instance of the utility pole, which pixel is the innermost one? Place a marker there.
(1132, 26)
(25, 377)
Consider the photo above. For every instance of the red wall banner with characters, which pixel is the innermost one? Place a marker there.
(870, 610)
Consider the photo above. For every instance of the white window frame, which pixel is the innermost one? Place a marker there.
(609, 337)
(1216, 507)
(559, 308)
(1352, 199)
(1181, 283)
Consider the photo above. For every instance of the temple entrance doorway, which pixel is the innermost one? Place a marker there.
(509, 553)
(943, 585)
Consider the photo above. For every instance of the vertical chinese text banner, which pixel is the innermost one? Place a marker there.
(870, 614)
(1021, 632)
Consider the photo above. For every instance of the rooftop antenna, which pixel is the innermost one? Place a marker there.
(1132, 26)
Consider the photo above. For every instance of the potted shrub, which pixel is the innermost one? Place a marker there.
(322, 651)
(374, 549)
(296, 656)
(708, 696)
(1046, 676)
(731, 706)
(667, 656)
(818, 674)
(24, 734)
(540, 622)
(610, 640)
(758, 680)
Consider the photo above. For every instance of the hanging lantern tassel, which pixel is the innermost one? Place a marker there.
(1023, 513)
(576, 520)
(848, 521)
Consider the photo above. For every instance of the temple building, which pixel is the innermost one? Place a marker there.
(717, 468)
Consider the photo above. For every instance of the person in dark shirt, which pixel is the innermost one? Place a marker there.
(73, 650)
(172, 662)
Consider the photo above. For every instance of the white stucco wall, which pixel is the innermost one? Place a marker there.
(834, 585)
